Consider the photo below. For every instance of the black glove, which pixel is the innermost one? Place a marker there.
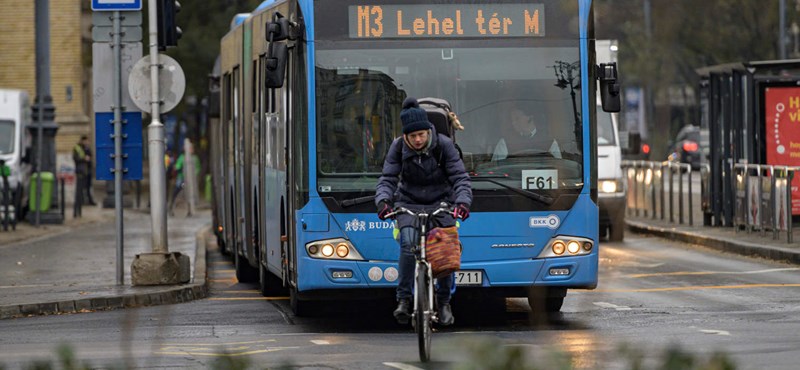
(384, 209)
(461, 211)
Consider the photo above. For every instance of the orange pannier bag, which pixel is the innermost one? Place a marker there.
(443, 251)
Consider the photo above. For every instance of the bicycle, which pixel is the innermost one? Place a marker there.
(424, 314)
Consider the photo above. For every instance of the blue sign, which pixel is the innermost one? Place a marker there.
(131, 145)
(112, 5)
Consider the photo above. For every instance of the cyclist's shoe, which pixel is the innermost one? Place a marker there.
(403, 311)
(446, 315)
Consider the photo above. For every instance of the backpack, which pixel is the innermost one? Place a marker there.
(444, 121)
(441, 116)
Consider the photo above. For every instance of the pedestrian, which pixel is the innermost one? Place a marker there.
(83, 162)
(178, 169)
(416, 178)
(87, 148)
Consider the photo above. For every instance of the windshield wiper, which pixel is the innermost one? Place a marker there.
(544, 199)
(357, 201)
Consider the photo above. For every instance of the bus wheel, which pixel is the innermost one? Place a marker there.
(271, 285)
(244, 272)
(546, 300)
(300, 308)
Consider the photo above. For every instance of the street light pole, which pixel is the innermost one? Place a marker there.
(782, 29)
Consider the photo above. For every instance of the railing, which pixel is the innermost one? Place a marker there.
(651, 190)
(763, 199)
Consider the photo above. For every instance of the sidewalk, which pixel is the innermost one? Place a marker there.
(724, 239)
(72, 267)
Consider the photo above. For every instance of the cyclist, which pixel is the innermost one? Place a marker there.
(421, 170)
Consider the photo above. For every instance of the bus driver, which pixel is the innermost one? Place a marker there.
(523, 135)
(413, 177)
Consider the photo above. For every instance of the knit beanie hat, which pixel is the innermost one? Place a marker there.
(413, 117)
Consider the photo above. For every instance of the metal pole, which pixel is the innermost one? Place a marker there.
(789, 175)
(662, 191)
(680, 193)
(155, 143)
(653, 190)
(118, 171)
(691, 195)
(636, 189)
(782, 29)
(671, 196)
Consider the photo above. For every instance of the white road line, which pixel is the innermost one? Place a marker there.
(401, 366)
(611, 305)
(320, 342)
(716, 332)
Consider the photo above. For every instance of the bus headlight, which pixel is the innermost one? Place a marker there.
(610, 186)
(565, 246)
(333, 249)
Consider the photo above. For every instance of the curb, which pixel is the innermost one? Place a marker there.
(720, 244)
(198, 289)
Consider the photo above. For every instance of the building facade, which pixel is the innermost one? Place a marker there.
(70, 67)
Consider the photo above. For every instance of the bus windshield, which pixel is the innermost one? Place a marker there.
(517, 97)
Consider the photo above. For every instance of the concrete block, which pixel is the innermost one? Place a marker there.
(114, 302)
(7, 312)
(99, 303)
(129, 301)
(29, 309)
(142, 299)
(155, 299)
(160, 269)
(48, 308)
(83, 305)
(66, 307)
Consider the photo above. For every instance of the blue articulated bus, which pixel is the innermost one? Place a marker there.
(310, 94)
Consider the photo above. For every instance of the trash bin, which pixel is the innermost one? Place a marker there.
(47, 191)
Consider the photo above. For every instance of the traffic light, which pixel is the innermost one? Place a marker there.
(168, 30)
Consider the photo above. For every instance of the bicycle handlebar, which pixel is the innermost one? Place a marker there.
(443, 207)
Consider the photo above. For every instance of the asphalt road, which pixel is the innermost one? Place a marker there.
(653, 293)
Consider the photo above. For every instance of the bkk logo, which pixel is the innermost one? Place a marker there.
(551, 221)
(358, 225)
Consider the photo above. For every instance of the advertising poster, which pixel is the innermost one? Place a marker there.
(782, 119)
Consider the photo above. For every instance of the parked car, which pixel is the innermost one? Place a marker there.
(690, 146)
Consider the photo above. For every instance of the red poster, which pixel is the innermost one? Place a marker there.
(782, 118)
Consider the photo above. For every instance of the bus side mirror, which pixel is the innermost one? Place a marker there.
(276, 65)
(277, 30)
(609, 87)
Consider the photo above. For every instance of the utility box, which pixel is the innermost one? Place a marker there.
(47, 191)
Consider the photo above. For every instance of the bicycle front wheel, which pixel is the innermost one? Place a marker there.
(423, 313)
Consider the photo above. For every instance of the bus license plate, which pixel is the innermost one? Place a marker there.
(469, 277)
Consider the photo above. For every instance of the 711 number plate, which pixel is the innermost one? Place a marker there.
(469, 277)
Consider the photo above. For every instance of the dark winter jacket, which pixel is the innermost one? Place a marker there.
(424, 183)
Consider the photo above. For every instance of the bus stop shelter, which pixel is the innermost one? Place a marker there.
(744, 107)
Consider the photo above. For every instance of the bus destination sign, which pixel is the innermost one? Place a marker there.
(446, 21)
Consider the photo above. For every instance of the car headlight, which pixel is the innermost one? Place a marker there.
(333, 249)
(565, 246)
(610, 186)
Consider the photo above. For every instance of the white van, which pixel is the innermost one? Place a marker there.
(15, 119)
(610, 187)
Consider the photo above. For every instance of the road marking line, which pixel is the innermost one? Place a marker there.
(611, 305)
(220, 344)
(717, 332)
(401, 366)
(700, 287)
(320, 342)
(223, 271)
(25, 286)
(253, 291)
(245, 353)
(250, 299)
(689, 273)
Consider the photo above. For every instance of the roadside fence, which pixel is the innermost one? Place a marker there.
(664, 190)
